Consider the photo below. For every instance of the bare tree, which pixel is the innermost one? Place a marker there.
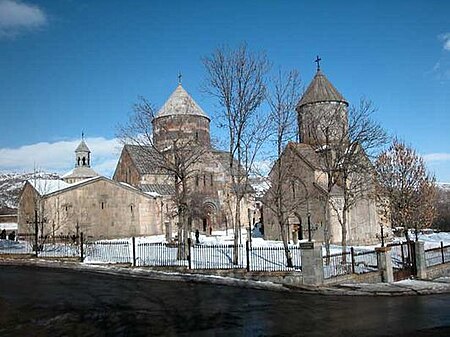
(442, 220)
(179, 159)
(281, 198)
(236, 78)
(345, 142)
(409, 189)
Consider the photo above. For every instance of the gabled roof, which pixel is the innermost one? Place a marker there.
(47, 186)
(321, 90)
(307, 153)
(82, 147)
(145, 158)
(59, 186)
(161, 189)
(180, 103)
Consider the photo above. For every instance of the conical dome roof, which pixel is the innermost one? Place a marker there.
(82, 147)
(180, 103)
(321, 90)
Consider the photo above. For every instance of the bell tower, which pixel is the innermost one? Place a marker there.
(82, 154)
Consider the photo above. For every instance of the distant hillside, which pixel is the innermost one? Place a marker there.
(11, 184)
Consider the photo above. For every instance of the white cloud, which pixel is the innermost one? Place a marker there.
(445, 38)
(59, 156)
(436, 157)
(17, 17)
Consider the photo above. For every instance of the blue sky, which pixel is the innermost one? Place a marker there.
(67, 66)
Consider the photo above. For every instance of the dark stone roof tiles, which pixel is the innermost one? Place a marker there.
(145, 158)
(162, 189)
(321, 90)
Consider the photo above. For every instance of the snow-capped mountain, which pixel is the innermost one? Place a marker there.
(444, 186)
(11, 183)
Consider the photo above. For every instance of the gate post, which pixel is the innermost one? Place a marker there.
(81, 247)
(312, 263)
(247, 250)
(385, 264)
(133, 242)
(189, 253)
(352, 251)
(419, 259)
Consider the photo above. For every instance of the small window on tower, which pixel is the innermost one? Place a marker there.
(103, 205)
(196, 135)
(196, 180)
(212, 180)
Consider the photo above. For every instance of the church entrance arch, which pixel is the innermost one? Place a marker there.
(299, 226)
(209, 216)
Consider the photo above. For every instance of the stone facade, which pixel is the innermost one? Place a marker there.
(99, 207)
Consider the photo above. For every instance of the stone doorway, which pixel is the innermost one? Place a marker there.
(209, 217)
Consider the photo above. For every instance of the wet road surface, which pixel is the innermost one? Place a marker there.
(52, 302)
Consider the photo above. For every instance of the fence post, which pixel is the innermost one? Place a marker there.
(247, 250)
(312, 263)
(419, 259)
(36, 232)
(133, 242)
(384, 262)
(189, 253)
(442, 252)
(81, 247)
(352, 251)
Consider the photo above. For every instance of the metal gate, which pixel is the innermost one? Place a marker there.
(403, 260)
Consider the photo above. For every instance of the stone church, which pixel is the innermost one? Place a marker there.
(138, 200)
(305, 181)
(183, 120)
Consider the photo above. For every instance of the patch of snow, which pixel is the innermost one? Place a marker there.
(9, 226)
(153, 194)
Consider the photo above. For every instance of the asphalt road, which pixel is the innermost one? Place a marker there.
(51, 302)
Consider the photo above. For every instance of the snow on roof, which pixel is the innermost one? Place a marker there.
(47, 186)
(153, 194)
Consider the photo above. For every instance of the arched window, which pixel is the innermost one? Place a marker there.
(293, 189)
(84, 161)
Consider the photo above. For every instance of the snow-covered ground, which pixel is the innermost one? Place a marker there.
(216, 252)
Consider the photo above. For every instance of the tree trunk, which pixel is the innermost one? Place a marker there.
(287, 252)
(237, 232)
(344, 236)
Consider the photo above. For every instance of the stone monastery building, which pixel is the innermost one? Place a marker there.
(138, 200)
